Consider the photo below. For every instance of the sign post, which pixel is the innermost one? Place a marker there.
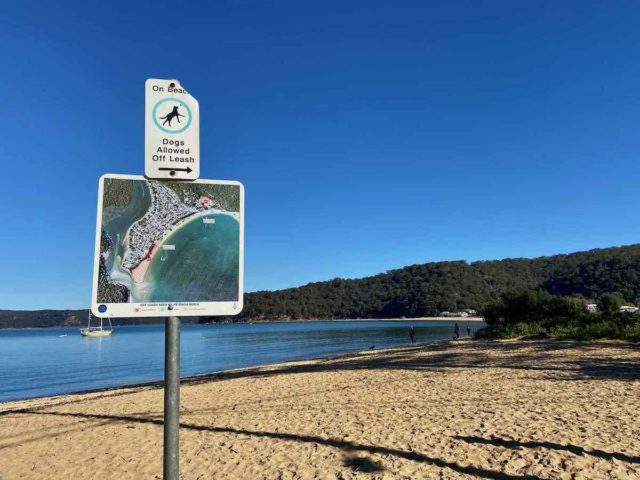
(171, 438)
(166, 247)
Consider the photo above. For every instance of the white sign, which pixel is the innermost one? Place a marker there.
(168, 248)
(172, 131)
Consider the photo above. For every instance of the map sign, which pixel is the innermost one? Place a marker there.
(172, 131)
(168, 248)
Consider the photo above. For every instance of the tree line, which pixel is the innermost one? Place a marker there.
(420, 290)
(430, 288)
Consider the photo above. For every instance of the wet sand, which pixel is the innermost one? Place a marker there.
(497, 410)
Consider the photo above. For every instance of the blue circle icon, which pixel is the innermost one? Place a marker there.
(102, 308)
(171, 115)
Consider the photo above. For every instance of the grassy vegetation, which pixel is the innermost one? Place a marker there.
(538, 314)
(117, 192)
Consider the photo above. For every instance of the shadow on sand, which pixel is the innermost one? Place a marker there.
(470, 354)
(345, 445)
(591, 363)
(505, 443)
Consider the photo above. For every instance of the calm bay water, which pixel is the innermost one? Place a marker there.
(208, 272)
(39, 362)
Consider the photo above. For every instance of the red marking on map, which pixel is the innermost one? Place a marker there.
(139, 272)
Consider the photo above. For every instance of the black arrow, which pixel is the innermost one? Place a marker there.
(188, 169)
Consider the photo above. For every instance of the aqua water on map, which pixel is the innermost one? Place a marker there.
(169, 242)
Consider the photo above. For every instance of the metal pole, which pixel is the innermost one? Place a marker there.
(171, 459)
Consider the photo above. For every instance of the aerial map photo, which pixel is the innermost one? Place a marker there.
(169, 242)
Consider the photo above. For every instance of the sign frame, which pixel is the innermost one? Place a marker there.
(164, 309)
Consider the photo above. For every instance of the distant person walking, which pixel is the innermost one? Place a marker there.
(456, 331)
(412, 335)
(468, 331)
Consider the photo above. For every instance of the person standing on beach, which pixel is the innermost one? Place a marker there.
(456, 331)
(412, 335)
(468, 331)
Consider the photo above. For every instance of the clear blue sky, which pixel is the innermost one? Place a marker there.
(369, 135)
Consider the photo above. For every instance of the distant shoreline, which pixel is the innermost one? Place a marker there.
(417, 319)
(407, 319)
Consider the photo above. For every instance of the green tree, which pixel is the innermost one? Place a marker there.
(610, 302)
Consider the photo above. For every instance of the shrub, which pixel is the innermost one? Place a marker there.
(610, 302)
(632, 332)
(536, 314)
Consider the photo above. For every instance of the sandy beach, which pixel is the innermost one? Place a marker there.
(466, 409)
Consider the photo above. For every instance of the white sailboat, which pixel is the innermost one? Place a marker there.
(96, 331)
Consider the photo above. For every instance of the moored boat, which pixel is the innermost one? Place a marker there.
(96, 331)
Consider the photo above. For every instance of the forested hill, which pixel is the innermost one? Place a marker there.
(424, 290)
(417, 290)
